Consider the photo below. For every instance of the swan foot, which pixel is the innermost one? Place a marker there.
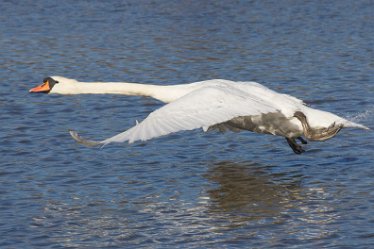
(81, 140)
(298, 149)
(302, 140)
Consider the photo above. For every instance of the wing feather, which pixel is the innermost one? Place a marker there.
(201, 108)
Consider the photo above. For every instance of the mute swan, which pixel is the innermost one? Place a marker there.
(213, 104)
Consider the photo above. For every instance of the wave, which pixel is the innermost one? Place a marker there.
(362, 116)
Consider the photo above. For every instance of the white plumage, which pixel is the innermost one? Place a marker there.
(218, 104)
(201, 108)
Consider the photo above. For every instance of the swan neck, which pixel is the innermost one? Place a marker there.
(105, 88)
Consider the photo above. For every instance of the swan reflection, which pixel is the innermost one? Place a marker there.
(248, 194)
(245, 188)
(230, 202)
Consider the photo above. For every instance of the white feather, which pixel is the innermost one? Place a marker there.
(199, 105)
(201, 108)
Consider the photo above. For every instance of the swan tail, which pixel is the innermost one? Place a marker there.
(86, 142)
(355, 125)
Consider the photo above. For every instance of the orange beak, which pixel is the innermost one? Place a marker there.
(41, 88)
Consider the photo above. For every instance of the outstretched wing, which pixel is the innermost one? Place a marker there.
(201, 108)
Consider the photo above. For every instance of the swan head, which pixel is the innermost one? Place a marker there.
(45, 87)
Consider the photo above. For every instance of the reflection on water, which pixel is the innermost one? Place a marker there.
(249, 189)
(249, 194)
(190, 189)
(242, 199)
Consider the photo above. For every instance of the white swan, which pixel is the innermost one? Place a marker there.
(212, 104)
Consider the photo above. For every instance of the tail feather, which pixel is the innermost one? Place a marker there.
(355, 125)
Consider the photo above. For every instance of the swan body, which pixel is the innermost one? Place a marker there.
(212, 104)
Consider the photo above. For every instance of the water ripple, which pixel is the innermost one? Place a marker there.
(190, 189)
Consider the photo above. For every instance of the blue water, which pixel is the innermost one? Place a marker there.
(190, 189)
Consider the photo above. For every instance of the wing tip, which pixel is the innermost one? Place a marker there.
(81, 140)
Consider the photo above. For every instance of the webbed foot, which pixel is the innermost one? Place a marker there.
(302, 140)
(298, 149)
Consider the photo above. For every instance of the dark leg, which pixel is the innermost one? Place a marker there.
(302, 140)
(294, 146)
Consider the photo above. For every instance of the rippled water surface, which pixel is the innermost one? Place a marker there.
(190, 189)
